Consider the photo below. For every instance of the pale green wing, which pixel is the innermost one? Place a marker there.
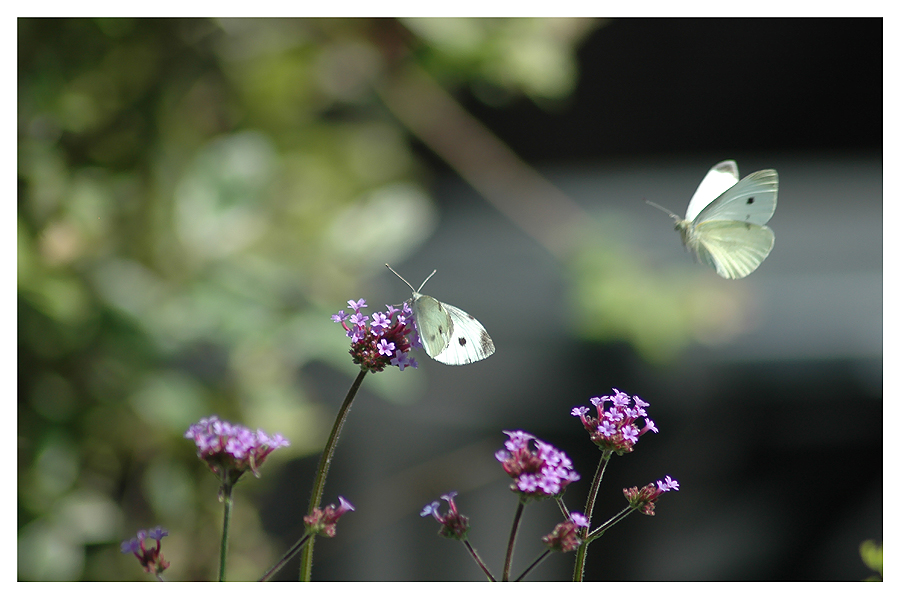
(734, 249)
(432, 322)
(753, 200)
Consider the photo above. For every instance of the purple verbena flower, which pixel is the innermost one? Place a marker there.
(644, 499)
(385, 348)
(384, 341)
(230, 449)
(324, 521)
(150, 557)
(616, 428)
(539, 472)
(453, 524)
(566, 536)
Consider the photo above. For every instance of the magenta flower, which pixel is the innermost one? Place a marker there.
(565, 537)
(324, 521)
(231, 449)
(386, 341)
(541, 472)
(454, 525)
(150, 557)
(645, 499)
(616, 428)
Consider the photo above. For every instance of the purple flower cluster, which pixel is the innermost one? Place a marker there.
(645, 498)
(231, 449)
(565, 536)
(324, 521)
(454, 525)
(384, 341)
(541, 472)
(616, 429)
(150, 557)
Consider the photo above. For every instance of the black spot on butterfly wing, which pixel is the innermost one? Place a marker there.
(750, 201)
(462, 341)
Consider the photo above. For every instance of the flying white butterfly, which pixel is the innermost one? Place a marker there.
(725, 221)
(448, 334)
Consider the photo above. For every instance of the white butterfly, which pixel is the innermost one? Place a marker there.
(448, 334)
(725, 221)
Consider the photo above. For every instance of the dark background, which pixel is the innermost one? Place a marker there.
(676, 86)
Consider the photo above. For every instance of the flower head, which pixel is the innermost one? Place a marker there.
(231, 449)
(645, 498)
(150, 557)
(616, 428)
(565, 537)
(384, 341)
(324, 521)
(453, 524)
(539, 472)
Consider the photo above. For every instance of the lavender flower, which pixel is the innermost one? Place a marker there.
(231, 449)
(616, 429)
(645, 499)
(150, 558)
(541, 472)
(453, 525)
(383, 342)
(565, 536)
(324, 521)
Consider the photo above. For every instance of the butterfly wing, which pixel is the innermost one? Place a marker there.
(433, 323)
(717, 181)
(751, 200)
(734, 249)
(468, 342)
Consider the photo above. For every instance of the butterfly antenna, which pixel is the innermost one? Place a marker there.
(659, 207)
(433, 272)
(403, 279)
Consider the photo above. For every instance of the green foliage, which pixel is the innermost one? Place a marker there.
(194, 199)
(872, 554)
(618, 295)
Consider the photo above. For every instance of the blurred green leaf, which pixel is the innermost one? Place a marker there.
(196, 197)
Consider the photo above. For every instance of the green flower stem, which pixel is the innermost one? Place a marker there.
(479, 561)
(291, 553)
(613, 520)
(226, 498)
(581, 554)
(512, 538)
(563, 508)
(322, 473)
(536, 562)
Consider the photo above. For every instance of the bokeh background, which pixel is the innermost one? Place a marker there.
(197, 197)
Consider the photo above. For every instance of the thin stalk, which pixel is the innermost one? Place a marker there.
(563, 508)
(226, 525)
(479, 561)
(536, 562)
(512, 539)
(291, 553)
(322, 473)
(581, 553)
(612, 521)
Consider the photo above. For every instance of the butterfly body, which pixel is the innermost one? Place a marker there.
(725, 224)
